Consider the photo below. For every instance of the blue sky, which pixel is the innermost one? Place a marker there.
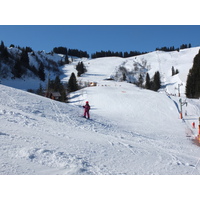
(92, 38)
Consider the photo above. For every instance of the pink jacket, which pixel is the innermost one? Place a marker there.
(87, 107)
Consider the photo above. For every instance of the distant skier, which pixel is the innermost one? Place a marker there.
(86, 111)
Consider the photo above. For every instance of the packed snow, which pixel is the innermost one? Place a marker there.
(132, 131)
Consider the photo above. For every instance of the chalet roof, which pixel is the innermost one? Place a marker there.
(56, 94)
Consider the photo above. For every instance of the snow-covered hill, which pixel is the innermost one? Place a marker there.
(131, 131)
(29, 62)
(104, 68)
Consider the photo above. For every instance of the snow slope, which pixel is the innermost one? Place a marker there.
(103, 68)
(124, 136)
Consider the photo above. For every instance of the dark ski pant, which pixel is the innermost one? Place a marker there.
(86, 113)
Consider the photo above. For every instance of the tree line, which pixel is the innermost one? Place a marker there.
(16, 64)
(81, 54)
(135, 53)
(172, 48)
(101, 54)
(71, 52)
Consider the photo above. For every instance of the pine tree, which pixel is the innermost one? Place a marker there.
(66, 60)
(72, 83)
(41, 72)
(62, 91)
(4, 55)
(193, 79)
(148, 82)
(80, 68)
(2, 46)
(57, 84)
(173, 71)
(24, 59)
(17, 70)
(190, 85)
(156, 82)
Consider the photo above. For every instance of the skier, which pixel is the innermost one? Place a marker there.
(86, 111)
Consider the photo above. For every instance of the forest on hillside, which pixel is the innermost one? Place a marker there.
(17, 62)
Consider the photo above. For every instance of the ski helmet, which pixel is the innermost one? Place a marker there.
(86, 102)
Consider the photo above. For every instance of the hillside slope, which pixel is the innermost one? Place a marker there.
(130, 132)
(24, 69)
(102, 68)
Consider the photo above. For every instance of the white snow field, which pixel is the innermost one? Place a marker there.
(132, 131)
